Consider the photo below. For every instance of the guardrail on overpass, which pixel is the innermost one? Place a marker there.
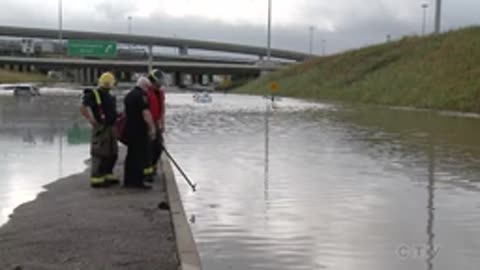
(153, 41)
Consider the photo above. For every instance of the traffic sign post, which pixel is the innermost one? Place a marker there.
(92, 48)
(274, 87)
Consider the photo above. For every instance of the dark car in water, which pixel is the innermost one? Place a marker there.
(26, 90)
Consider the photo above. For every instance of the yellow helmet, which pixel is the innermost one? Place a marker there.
(106, 81)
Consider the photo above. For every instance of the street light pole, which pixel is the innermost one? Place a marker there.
(324, 47)
(424, 24)
(129, 18)
(311, 30)
(60, 21)
(129, 25)
(269, 38)
(438, 17)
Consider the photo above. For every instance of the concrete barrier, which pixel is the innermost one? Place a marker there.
(187, 251)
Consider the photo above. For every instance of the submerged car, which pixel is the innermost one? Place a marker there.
(26, 90)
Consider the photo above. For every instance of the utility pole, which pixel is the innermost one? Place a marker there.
(424, 23)
(269, 38)
(311, 30)
(324, 47)
(129, 25)
(129, 18)
(438, 17)
(60, 21)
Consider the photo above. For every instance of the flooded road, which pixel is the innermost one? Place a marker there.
(40, 141)
(345, 187)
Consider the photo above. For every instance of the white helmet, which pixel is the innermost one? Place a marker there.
(144, 83)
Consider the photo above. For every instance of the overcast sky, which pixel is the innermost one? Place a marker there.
(344, 24)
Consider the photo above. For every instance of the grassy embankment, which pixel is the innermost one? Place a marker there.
(7, 76)
(438, 72)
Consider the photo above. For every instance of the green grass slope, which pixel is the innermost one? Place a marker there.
(439, 72)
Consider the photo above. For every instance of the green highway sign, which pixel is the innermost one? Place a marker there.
(92, 48)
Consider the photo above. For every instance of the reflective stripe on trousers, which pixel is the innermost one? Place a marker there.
(149, 170)
(97, 180)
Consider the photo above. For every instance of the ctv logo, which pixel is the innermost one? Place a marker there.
(417, 251)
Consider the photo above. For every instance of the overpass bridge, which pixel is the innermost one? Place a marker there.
(182, 44)
(87, 70)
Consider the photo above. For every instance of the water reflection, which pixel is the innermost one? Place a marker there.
(343, 189)
(267, 149)
(36, 148)
(432, 249)
(78, 135)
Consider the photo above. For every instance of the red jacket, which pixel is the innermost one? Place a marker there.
(156, 100)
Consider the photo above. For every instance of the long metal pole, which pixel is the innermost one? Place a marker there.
(312, 29)
(130, 31)
(60, 21)
(269, 39)
(324, 47)
(424, 23)
(192, 185)
(438, 17)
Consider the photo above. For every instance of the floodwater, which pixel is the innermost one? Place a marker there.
(40, 141)
(345, 187)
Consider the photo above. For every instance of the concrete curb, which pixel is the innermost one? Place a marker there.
(187, 252)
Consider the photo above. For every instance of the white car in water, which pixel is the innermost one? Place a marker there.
(203, 97)
(26, 90)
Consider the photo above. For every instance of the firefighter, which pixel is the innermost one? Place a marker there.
(156, 100)
(139, 132)
(99, 108)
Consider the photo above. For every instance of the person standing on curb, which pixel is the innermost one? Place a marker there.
(100, 110)
(139, 133)
(156, 100)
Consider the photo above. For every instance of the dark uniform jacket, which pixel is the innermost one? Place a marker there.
(135, 103)
(103, 106)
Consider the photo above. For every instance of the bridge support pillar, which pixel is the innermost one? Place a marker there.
(150, 58)
(76, 75)
(81, 73)
(96, 73)
(195, 79)
(118, 75)
(183, 50)
(177, 78)
(88, 76)
(128, 76)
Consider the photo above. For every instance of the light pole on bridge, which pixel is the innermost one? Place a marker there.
(312, 32)
(324, 47)
(438, 16)
(129, 25)
(424, 23)
(269, 38)
(60, 21)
